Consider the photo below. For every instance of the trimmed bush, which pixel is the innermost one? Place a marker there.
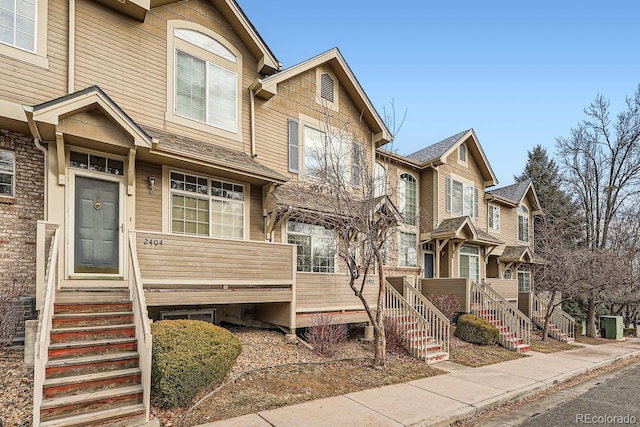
(189, 355)
(476, 330)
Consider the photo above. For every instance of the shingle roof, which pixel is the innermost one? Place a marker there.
(513, 253)
(213, 154)
(436, 150)
(513, 193)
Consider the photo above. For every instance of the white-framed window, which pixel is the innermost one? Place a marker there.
(326, 153)
(461, 198)
(7, 173)
(408, 198)
(205, 206)
(494, 217)
(18, 23)
(407, 249)
(524, 279)
(470, 262)
(380, 180)
(316, 248)
(462, 153)
(523, 224)
(205, 76)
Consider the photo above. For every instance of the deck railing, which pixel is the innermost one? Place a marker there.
(439, 324)
(563, 324)
(141, 320)
(409, 321)
(43, 337)
(486, 302)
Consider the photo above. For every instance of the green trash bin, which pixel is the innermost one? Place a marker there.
(611, 327)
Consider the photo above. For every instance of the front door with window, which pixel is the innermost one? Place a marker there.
(97, 226)
(470, 262)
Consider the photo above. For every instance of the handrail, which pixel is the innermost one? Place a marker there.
(563, 322)
(439, 323)
(141, 320)
(44, 329)
(416, 327)
(516, 325)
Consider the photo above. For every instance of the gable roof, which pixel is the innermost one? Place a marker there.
(512, 195)
(436, 154)
(268, 87)
(267, 62)
(43, 118)
(451, 228)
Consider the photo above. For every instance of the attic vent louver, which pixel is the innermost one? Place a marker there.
(326, 87)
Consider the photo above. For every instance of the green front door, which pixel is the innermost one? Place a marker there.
(97, 229)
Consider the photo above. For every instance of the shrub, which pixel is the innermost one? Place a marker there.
(396, 335)
(189, 355)
(325, 334)
(476, 330)
(448, 304)
(12, 310)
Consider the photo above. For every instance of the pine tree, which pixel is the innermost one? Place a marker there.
(543, 172)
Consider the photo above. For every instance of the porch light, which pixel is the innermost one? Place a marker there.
(152, 183)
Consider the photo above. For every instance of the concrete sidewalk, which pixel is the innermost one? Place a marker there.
(440, 400)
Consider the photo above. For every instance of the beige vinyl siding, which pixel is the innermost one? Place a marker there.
(256, 228)
(29, 84)
(182, 258)
(318, 292)
(426, 199)
(148, 205)
(138, 83)
(297, 96)
(458, 287)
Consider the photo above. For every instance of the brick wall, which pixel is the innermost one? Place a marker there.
(19, 215)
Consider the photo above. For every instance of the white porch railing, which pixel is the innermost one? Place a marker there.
(43, 337)
(516, 327)
(141, 320)
(417, 328)
(561, 324)
(439, 325)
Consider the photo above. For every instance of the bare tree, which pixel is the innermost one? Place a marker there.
(600, 161)
(340, 178)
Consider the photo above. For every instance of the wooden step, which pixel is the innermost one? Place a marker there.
(69, 406)
(92, 295)
(90, 364)
(65, 386)
(131, 415)
(69, 319)
(91, 347)
(91, 307)
(86, 333)
(436, 357)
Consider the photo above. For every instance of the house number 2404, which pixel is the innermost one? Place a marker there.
(153, 242)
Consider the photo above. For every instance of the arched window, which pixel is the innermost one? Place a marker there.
(207, 73)
(408, 198)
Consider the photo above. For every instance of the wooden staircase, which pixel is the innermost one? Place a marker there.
(508, 338)
(425, 330)
(92, 377)
(561, 324)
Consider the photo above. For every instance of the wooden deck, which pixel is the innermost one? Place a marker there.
(187, 270)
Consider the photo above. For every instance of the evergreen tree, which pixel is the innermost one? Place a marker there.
(543, 172)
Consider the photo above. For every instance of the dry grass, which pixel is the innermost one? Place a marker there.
(549, 345)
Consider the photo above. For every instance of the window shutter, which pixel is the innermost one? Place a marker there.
(476, 207)
(447, 202)
(355, 165)
(294, 147)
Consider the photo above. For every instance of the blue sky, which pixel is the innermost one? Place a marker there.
(519, 73)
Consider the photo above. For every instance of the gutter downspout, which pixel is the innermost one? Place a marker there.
(71, 54)
(252, 117)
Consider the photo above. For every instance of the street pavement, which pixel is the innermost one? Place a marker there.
(443, 399)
